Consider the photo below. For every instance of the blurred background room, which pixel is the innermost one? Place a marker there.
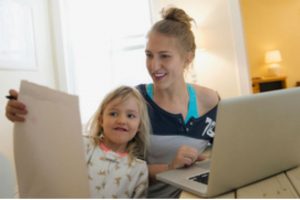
(88, 47)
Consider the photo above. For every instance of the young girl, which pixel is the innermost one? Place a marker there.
(119, 133)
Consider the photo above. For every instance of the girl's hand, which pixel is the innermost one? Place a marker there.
(185, 157)
(15, 110)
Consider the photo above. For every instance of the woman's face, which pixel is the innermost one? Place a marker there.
(165, 62)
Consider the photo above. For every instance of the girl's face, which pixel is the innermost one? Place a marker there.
(120, 122)
(165, 63)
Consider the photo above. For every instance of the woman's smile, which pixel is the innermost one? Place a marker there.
(159, 75)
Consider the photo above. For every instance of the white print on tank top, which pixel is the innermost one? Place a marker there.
(210, 125)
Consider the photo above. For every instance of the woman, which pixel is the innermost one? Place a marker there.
(182, 115)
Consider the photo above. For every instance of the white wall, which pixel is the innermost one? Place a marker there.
(221, 64)
(43, 74)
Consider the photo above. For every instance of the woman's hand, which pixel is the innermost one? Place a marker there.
(15, 110)
(185, 157)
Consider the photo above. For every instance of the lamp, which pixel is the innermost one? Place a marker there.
(273, 58)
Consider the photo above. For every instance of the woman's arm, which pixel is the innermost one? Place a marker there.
(15, 110)
(155, 169)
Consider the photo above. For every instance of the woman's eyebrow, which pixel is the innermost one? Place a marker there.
(161, 52)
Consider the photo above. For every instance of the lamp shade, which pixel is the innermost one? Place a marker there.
(273, 57)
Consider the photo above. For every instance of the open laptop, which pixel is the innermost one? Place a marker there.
(257, 136)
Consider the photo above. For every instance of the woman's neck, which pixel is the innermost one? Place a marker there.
(173, 99)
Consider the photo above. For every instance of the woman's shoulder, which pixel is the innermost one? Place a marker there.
(207, 98)
(141, 87)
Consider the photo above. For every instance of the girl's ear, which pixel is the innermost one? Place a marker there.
(100, 121)
(140, 127)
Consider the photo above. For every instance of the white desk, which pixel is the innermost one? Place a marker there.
(284, 185)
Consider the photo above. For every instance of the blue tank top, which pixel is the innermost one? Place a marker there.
(192, 105)
(169, 132)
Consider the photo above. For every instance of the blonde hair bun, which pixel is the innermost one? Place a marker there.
(177, 14)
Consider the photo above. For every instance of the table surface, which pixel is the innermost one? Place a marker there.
(283, 185)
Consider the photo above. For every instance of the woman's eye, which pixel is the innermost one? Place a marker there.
(165, 56)
(148, 55)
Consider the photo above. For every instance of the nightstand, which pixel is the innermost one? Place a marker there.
(263, 84)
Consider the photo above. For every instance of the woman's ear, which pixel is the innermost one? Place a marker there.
(190, 57)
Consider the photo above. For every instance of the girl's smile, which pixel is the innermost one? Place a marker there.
(120, 122)
(121, 129)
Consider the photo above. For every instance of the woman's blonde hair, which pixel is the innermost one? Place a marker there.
(177, 23)
(138, 145)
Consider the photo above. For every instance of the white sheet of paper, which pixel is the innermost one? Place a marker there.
(48, 147)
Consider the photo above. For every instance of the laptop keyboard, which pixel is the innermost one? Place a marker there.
(202, 178)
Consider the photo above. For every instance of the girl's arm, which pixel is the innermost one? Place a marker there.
(141, 187)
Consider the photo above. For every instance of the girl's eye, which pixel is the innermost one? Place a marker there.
(131, 116)
(113, 114)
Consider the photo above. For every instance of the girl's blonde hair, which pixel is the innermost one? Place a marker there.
(177, 23)
(138, 145)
